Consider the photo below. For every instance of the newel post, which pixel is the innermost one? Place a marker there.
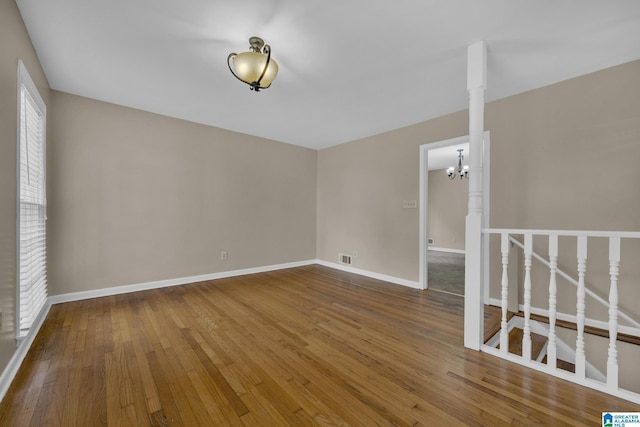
(473, 291)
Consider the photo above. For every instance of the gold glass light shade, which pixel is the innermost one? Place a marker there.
(248, 67)
(256, 67)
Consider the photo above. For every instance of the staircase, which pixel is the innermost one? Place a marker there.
(562, 364)
(565, 357)
(531, 339)
(539, 341)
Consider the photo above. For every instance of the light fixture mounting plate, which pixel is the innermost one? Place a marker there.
(256, 44)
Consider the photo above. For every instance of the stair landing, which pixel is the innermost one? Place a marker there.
(515, 343)
(492, 318)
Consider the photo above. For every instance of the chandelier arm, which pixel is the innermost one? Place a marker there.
(461, 171)
(267, 50)
(231, 55)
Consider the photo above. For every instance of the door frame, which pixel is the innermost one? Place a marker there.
(424, 197)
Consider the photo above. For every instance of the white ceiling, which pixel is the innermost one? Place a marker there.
(348, 69)
(442, 158)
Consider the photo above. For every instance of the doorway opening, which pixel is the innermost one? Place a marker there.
(443, 209)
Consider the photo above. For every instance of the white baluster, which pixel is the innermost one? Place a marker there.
(553, 290)
(504, 333)
(526, 338)
(612, 361)
(580, 307)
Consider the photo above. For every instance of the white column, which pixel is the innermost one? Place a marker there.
(473, 304)
(476, 84)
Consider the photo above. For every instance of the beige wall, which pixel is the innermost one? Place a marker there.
(14, 44)
(137, 197)
(596, 350)
(564, 156)
(448, 202)
(361, 187)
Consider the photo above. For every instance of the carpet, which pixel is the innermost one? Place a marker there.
(446, 272)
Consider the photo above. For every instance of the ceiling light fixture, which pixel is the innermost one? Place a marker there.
(255, 68)
(462, 171)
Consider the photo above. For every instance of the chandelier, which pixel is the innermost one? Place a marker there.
(461, 171)
(255, 68)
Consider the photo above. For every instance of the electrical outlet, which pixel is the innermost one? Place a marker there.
(410, 204)
(224, 255)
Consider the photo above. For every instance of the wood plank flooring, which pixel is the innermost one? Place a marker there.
(309, 346)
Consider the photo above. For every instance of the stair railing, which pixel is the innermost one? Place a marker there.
(553, 259)
(611, 385)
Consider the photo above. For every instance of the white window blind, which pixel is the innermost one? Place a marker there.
(32, 230)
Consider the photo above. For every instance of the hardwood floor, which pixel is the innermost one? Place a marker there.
(303, 346)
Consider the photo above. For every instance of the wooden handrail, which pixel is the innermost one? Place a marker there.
(630, 339)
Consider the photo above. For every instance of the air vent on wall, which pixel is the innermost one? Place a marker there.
(345, 259)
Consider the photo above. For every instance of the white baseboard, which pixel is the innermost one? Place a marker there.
(495, 302)
(24, 344)
(452, 251)
(10, 371)
(78, 296)
(12, 367)
(384, 277)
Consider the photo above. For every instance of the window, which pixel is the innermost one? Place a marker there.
(32, 205)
